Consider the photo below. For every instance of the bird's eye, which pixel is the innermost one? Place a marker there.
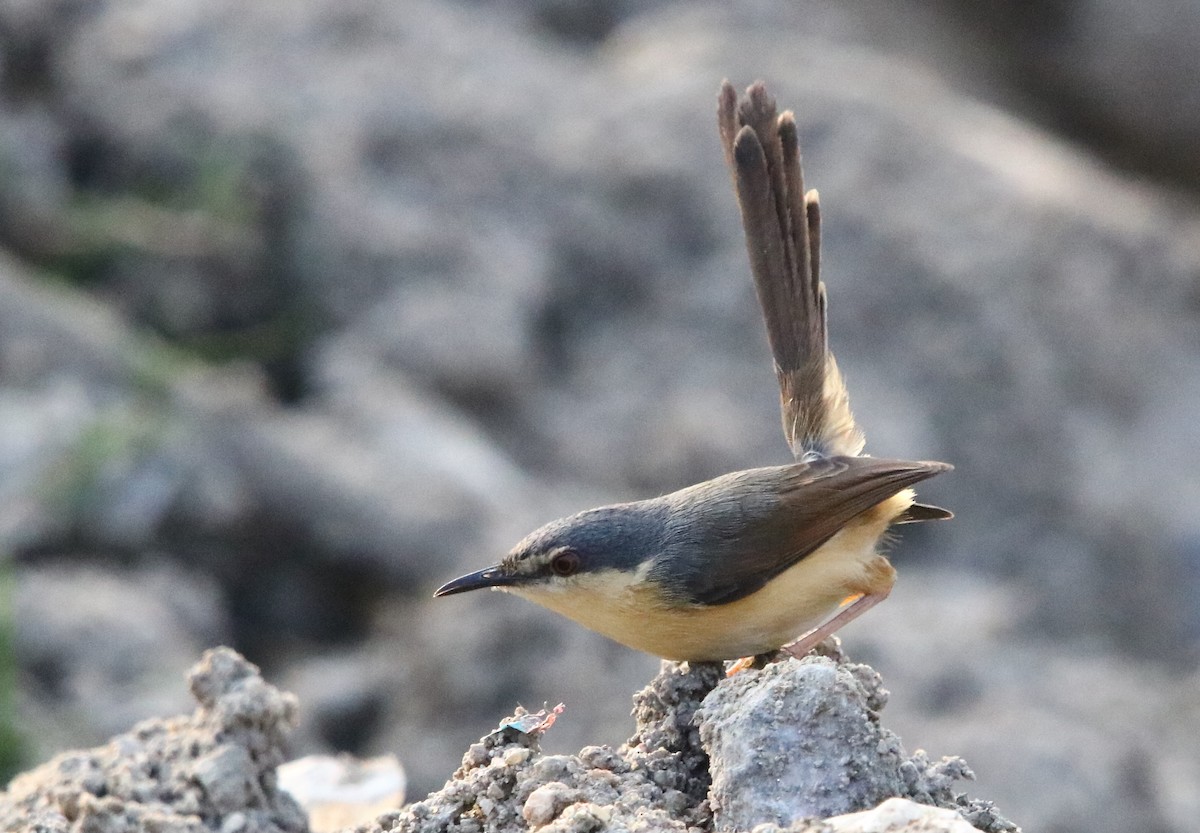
(565, 563)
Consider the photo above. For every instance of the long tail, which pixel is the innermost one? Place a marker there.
(783, 238)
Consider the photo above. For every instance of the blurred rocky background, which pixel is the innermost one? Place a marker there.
(307, 307)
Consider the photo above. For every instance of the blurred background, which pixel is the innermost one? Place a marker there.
(307, 307)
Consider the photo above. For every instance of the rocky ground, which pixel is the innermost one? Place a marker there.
(819, 753)
(305, 309)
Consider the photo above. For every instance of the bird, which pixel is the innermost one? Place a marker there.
(752, 562)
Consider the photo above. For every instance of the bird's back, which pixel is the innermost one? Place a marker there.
(728, 537)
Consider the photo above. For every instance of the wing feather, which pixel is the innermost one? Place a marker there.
(742, 530)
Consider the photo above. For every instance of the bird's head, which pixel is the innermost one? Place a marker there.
(599, 545)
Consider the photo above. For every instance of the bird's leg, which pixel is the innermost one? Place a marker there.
(739, 665)
(743, 664)
(759, 661)
(814, 637)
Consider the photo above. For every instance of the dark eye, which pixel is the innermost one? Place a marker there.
(565, 563)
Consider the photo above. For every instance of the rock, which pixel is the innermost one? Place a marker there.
(99, 450)
(795, 741)
(213, 770)
(505, 780)
(667, 742)
(802, 739)
(107, 645)
(50, 334)
(216, 769)
(470, 661)
(546, 803)
(662, 779)
(35, 194)
(1114, 78)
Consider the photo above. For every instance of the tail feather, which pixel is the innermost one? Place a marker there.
(783, 233)
(920, 512)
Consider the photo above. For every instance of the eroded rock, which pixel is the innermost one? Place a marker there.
(211, 770)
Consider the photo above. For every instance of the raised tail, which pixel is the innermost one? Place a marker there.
(783, 239)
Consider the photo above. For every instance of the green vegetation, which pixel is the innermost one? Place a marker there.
(13, 745)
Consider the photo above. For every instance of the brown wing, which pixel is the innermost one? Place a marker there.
(745, 528)
(782, 226)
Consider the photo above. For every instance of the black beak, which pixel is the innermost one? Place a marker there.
(489, 577)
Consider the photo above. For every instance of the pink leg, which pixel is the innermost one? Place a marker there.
(814, 637)
(740, 665)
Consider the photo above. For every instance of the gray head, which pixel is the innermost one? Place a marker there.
(620, 538)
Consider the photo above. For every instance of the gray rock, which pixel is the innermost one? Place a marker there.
(103, 647)
(1116, 78)
(662, 779)
(36, 189)
(91, 451)
(49, 334)
(802, 740)
(795, 741)
(213, 770)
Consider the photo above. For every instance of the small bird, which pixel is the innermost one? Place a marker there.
(758, 560)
